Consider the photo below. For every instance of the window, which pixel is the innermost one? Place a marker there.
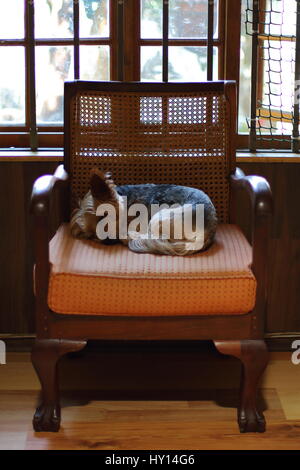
(45, 42)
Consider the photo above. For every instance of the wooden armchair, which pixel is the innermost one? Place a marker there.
(182, 133)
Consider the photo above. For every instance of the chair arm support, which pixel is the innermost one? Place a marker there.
(41, 196)
(43, 189)
(258, 190)
(260, 195)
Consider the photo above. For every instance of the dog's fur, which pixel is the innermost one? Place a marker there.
(103, 190)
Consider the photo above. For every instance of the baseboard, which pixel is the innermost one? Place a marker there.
(275, 342)
(281, 341)
(17, 343)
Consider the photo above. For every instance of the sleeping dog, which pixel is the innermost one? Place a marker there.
(162, 210)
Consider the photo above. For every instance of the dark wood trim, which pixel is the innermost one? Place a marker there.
(54, 139)
(179, 42)
(150, 328)
(231, 96)
(68, 94)
(232, 40)
(76, 39)
(267, 142)
(260, 51)
(30, 76)
(132, 86)
(113, 18)
(165, 41)
(56, 155)
(72, 41)
(131, 46)
(221, 39)
(117, 30)
(276, 342)
(254, 75)
(13, 42)
(210, 34)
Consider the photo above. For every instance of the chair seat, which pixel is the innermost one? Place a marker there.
(88, 278)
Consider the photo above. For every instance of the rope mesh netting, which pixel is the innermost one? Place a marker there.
(272, 25)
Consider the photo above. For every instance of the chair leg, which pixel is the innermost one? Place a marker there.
(44, 357)
(254, 357)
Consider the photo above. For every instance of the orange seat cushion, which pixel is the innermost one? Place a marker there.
(88, 278)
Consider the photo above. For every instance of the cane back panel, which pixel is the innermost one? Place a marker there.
(151, 137)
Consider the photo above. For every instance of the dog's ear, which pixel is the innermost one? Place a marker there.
(102, 186)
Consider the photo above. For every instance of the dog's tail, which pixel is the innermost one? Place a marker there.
(167, 247)
(190, 244)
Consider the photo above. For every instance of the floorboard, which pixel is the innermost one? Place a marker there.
(162, 401)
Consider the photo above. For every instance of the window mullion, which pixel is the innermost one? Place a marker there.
(254, 72)
(165, 41)
(120, 40)
(131, 38)
(210, 39)
(76, 39)
(30, 74)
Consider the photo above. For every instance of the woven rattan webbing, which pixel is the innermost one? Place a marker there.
(152, 138)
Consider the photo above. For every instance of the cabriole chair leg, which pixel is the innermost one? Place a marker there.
(254, 357)
(44, 357)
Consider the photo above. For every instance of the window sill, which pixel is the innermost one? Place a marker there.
(15, 155)
(275, 156)
(56, 155)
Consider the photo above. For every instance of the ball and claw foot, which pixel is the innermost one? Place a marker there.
(254, 356)
(45, 356)
(47, 418)
(251, 421)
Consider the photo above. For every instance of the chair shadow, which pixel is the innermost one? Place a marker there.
(147, 373)
(225, 398)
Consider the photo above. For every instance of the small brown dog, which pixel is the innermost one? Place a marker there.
(107, 204)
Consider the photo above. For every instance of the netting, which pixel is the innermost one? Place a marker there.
(272, 24)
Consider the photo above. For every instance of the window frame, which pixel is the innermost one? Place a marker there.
(28, 136)
(125, 59)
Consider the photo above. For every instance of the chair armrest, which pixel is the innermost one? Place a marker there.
(43, 189)
(260, 195)
(42, 192)
(258, 190)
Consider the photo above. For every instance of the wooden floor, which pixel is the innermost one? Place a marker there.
(150, 399)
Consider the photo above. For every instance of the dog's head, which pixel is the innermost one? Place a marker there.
(102, 191)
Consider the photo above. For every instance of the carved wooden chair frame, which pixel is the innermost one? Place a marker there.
(241, 336)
